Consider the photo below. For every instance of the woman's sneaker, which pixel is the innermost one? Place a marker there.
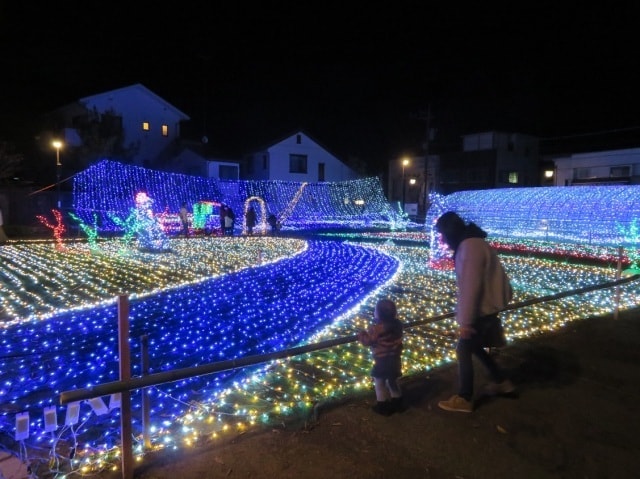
(499, 389)
(457, 404)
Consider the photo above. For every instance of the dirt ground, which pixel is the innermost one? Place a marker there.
(576, 414)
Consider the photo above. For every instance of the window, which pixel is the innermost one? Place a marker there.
(619, 171)
(165, 130)
(146, 126)
(509, 177)
(581, 173)
(265, 162)
(320, 171)
(299, 139)
(297, 163)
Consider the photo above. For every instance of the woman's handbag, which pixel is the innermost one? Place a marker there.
(491, 332)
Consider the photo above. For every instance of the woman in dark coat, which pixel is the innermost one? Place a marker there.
(250, 220)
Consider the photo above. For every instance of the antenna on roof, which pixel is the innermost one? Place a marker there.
(205, 61)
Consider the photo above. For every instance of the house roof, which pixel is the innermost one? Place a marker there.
(140, 89)
(289, 135)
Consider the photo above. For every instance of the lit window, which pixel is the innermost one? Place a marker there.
(548, 173)
(146, 126)
(165, 130)
(513, 177)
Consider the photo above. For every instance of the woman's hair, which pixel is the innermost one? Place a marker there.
(452, 228)
(386, 310)
(450, 224)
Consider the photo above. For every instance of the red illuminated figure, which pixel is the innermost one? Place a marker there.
(58, 228)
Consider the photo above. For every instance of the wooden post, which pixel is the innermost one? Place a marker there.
(146, 417)
(126, 430)
(618, 276)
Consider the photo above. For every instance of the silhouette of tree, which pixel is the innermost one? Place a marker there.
(101, 136)
(10, 162)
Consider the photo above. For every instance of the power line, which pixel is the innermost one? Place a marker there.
(582, 135)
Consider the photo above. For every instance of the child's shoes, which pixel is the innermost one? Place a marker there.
(397, 405)
(384, 408)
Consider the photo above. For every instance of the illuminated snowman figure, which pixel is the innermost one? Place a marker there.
(151, 236)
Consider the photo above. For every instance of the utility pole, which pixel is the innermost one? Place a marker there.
(426, 117)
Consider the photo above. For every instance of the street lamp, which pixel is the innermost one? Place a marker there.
(405, 162)
(57, 144)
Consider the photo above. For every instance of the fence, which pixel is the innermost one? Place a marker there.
(126, 383)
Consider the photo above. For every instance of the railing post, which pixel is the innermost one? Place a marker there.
(126, 429)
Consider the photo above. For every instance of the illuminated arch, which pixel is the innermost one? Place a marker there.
(261, 218)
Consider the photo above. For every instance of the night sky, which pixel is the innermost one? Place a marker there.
(356, 78)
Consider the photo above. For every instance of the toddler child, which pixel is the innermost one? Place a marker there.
(384, 338)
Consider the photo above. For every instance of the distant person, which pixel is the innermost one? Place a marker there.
(384, 337)
(223, 214)
(250, 220)
(229, 219)
(483, 290)
(3, 237)
(273, 223)
(184, 218)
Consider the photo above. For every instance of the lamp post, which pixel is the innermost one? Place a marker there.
(57, 144)
(405, 162)
(412, 183)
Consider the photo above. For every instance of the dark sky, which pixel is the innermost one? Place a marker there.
(355, 77)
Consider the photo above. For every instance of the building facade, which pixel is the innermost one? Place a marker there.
(490, 160)
(297, 157)
(611, 167)
(148, 124)
(485, 160)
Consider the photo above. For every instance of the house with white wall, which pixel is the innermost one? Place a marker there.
(151, 138)
(150, 126)
(297, 157)
(150, 123)
(598, 168)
